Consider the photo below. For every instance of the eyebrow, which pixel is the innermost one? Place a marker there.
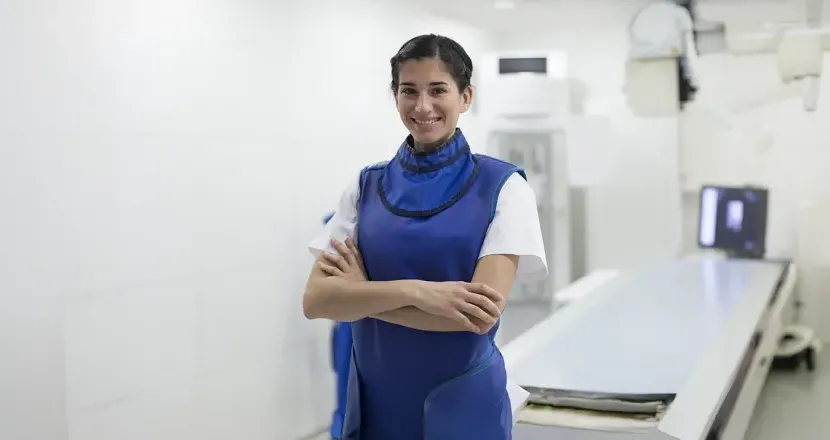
(436, 83)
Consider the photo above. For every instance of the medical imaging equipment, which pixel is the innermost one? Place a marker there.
(733, 220)
(678, 349)
(524, 103)
(675, 350)
(660, 73)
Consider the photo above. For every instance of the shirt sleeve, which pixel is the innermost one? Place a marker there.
(515, 230)
(344, 223)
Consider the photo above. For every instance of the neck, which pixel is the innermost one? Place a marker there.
(428, 148)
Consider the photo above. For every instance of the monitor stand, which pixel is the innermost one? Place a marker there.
(744, 255)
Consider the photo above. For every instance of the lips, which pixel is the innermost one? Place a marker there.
(425, 122)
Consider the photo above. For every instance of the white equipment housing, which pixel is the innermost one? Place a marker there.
(678, 350)
(660, 30)
(659, 35)
(664, 31)
(523, 101)
(799, 53)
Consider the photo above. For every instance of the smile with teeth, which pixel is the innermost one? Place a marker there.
(426, 121)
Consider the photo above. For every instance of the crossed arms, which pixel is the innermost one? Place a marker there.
(337, 289)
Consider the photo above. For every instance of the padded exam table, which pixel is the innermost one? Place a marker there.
(676, 350)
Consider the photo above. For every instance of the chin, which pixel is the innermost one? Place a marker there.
(432, 138)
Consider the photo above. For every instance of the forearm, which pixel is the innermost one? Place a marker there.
(418, 319)
(340, 299)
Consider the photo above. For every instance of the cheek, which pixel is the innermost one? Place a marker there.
(450, 111)
(404, 107)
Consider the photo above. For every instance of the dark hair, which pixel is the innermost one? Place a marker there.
(454, 57)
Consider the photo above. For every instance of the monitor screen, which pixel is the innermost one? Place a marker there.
(733, 219)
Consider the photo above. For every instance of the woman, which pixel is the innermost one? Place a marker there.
(420, 257)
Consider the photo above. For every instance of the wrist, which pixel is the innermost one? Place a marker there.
(410, 291)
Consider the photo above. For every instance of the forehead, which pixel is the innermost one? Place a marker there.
(424, 71)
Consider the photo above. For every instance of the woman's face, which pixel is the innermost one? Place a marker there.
(429, 101)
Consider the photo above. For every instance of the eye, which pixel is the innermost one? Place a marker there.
(439, 91)
(408, 91)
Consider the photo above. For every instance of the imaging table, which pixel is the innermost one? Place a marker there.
(679, 349)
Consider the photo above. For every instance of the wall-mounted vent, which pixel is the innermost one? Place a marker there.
(523, 65)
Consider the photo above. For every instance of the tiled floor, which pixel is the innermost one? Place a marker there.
(793, 406)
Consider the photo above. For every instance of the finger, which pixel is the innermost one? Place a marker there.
(340, 247)
(478, 313)
(356, 252)
(344, 251)
(483, 289)
(465, 321)
(483, 303)
(331, 270)
(350, 244)
(337, 261)
(353, 247)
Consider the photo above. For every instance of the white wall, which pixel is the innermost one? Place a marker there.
(162, 166)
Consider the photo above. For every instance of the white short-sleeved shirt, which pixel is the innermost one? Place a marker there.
(514, 230)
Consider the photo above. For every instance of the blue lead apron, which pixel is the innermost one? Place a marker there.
(425, 216)
(341, 353)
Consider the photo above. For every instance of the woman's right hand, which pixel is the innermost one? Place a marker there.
(460, 301)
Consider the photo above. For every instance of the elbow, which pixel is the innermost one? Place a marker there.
(311, 310)
(317, 302)
(311, 303)
(308, 309)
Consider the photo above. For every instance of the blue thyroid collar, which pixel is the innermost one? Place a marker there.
(424, 184)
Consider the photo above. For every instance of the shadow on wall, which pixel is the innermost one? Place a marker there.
(578, 95)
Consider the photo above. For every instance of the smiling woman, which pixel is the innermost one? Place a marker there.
(420, 256)
(431, 83)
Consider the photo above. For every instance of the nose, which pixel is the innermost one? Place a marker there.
(424, 103)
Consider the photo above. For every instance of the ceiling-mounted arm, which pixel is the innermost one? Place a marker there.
(663, 32)
(660, 30)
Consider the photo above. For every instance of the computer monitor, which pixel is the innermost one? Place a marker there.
(734, 220)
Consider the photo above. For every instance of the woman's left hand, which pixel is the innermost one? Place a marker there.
(347, 263)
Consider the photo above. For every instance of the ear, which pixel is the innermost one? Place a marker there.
(467, 98)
